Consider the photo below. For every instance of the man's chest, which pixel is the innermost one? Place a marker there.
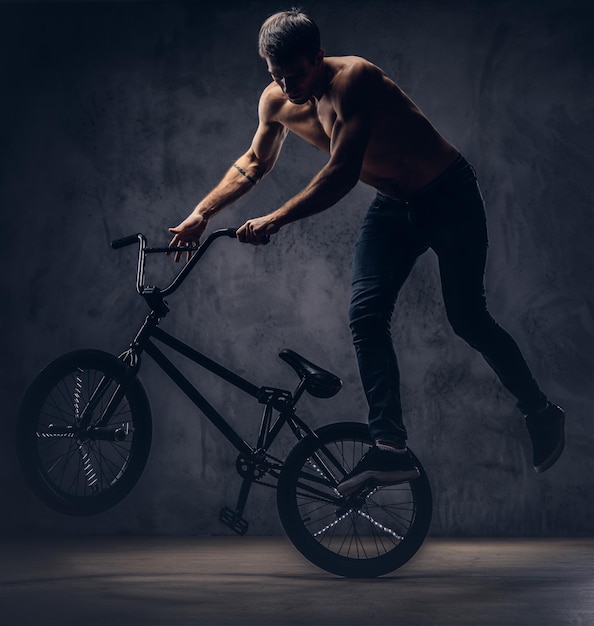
(313, 122)
(326, 115)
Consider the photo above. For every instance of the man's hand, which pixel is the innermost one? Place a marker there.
(188, 232)
(258, 231)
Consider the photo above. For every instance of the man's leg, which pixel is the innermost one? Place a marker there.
(461, 245)
(385, 254)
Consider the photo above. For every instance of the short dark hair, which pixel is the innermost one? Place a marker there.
(287, 36)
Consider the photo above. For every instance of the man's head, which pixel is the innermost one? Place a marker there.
(287, 37)
(289, 42)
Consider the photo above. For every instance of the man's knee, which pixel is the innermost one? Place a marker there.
(366, 324)
(473, 327)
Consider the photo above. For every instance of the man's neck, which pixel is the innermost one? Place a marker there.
(324, 78)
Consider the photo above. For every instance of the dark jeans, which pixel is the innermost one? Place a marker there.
(447, 216)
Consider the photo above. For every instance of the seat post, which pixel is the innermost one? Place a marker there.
(299, 390)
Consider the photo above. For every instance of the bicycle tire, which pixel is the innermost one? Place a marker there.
(356, 539)
(69, 471)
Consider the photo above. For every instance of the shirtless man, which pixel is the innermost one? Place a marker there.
(428, 197)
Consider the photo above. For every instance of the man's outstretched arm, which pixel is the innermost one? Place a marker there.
(238, 180)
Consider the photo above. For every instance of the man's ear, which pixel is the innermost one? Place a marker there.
(319, 58)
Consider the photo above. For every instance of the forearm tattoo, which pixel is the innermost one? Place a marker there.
(244, 173)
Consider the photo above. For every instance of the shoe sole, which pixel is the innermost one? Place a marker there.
(554, 456)
(375, 479)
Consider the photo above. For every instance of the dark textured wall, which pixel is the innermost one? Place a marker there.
(117, 117)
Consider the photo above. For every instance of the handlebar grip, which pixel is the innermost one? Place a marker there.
(232, 232)
(124, 241)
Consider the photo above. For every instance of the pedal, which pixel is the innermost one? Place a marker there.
(233, 520)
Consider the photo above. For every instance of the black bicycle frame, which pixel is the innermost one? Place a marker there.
(272, 398)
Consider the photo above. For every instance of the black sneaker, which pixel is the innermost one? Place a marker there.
(379, 468)
(547, 431)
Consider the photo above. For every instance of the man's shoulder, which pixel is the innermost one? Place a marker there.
(354, 74)
(272, 100)
(352, 65)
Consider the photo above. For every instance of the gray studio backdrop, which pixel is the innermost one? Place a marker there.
(117, 117)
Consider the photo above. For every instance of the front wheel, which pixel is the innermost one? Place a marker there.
(367, 534)
(84, 432)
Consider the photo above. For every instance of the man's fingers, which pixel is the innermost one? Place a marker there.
(178, 242)
(174, 243)
(241, 233)
(250, 233)
(187, 233)
(190, 253)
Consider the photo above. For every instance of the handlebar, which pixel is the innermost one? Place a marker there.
(143, 250)
(125, 241)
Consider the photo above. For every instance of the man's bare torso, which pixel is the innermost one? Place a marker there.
(404, 152)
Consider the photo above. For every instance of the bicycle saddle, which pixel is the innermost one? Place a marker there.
(318, 382)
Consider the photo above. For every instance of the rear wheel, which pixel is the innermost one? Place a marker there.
(364, 535)
(84, 432)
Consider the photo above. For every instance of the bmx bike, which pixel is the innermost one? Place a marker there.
(84, 433)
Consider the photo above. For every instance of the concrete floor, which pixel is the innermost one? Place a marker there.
(228, 581)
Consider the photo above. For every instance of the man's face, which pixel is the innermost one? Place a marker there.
(297, 79)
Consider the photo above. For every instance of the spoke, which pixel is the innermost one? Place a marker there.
(394, 512)
(114, 468)
(59, 397)
(324, 476)
(357, 538)
(379, 538)
(87, 463)
(383, 528)
(77, 395)
(61, 461)
(321, 519)
(313, 498)
(333, 524)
